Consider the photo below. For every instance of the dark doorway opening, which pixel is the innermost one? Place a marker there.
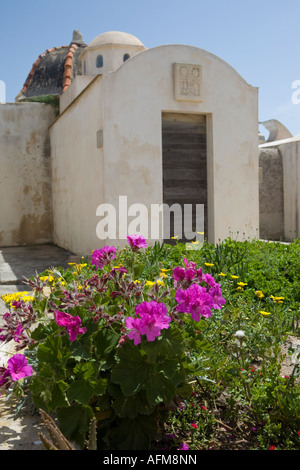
(184, 159)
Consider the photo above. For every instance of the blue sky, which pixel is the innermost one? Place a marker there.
(260, 39)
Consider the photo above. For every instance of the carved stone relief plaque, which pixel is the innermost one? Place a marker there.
(188, 82)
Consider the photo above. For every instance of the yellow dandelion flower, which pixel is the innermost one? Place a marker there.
(277, 299)
(222, 274)
(10, 298)
(233, 276)
(259, 294)
(239, 288)
(149, 283)
(47, 278)
(163, 275)
(242, 284)
(160, 283)
(209, 264)
(264, 313)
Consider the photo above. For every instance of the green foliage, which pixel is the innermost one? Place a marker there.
(53, 100)
(195, 377)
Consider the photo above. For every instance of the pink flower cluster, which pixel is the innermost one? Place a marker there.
(136, 241)
(202, 293)
(152, 319)
(71, 323)
(103, 256)
(17, 368)
(187, 274)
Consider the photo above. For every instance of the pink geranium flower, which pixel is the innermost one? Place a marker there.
(152, 319)
(18, 368)
(136, 241)
(216, 294)
(178, 273)
(133, 324)
(194, 300)
(72, 324)
(187, 274)
(103, 256)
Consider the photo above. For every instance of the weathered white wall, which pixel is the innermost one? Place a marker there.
(79, 83)
(271, 195)
(134, 98)
(77, 172)
(127, 105)
(25, 174)
(291, 181)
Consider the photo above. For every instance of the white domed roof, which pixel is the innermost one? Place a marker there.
(115, 37)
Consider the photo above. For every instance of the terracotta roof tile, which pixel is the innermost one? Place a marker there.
(68, 64)
(68, 67)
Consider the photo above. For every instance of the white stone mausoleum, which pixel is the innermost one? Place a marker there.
(135, 131)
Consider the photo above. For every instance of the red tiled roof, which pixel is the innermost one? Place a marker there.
(68, 67)
(68, 64)
(31, 73)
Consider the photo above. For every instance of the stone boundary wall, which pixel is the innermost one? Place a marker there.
(271, 198)
(25, 174)
(291, 181)
(279, 194)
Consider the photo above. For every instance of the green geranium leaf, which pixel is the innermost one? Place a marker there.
(85, 370)
(132, 370)
(168, 344)
(53, 351)
(131, 406)
(74, 422)
(82, 391)
(48, 392)
(135, 373)
(135, 434)
(42, 331)
(105, 341)
(160, 389)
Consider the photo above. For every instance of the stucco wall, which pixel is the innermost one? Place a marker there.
(134, 98)
(25, 174)
(77, 172)
(291, 181)
(271, 197)
(127, 105)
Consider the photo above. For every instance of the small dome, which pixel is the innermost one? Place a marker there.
(117, 38)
